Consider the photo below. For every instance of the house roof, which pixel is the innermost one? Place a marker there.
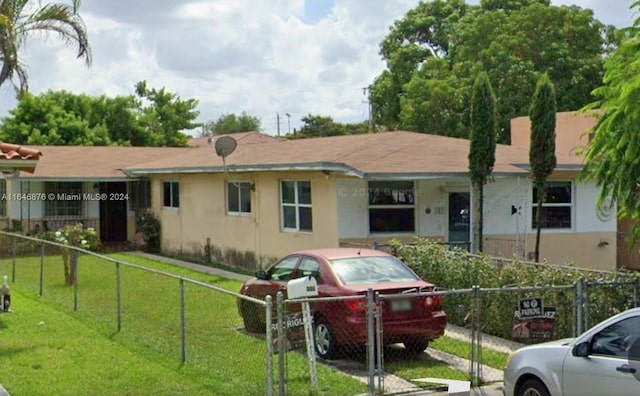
(241, 137)
(395, 154)
(13, 156)
(94, 162)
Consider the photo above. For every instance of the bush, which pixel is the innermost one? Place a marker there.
(149, 224)
(458, 270)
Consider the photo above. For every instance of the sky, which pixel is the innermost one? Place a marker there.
(265, 57)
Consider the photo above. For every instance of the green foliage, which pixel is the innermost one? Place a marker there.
(441, 46)
(154, 118)
(231, 123)
(317, 126)
(74, 235)
(457, 270)
(482, 151)
(149, 224)
(23, 19)
(542, 151)
(612, 155)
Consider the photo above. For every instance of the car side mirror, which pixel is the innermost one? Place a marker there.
(581, 350)
(262, 275)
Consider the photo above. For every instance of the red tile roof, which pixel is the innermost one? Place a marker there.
(19, 157)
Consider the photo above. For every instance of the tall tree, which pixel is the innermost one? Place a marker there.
(611, 158)
(482, 148)
(64, 118)
(231, 123)
(22, 19)
(434, 53)
(542, 151)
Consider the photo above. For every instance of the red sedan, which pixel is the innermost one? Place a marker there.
(413, 321)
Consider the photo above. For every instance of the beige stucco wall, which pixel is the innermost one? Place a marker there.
(596, 250)
(202, 214)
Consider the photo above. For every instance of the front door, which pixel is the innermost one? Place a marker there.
(113, 212)
(459, 219)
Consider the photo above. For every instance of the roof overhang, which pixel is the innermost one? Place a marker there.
(13, 165)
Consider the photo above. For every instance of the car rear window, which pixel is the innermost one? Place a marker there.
(363, 270)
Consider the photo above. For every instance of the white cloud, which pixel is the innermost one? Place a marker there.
(236, 55)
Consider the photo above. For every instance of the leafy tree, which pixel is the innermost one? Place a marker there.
(22, 19)
(611, 158)
(542, 151)
(63, 118)
(317, 126)
(440, 46)
(231, 123)
(482, 150)
(166, 115)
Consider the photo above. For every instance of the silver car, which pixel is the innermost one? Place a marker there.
(605, 360)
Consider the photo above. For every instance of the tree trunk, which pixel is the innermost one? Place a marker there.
(70, 267)
(477, 217)
(539, 221)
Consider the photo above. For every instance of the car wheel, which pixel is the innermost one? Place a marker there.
(416, 346)
(324, 339)
(250, 318)
(533, 387)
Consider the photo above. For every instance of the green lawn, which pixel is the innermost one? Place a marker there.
(48, 348)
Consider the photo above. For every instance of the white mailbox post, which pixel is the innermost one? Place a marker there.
(303, 288)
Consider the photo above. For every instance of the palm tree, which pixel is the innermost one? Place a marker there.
(20, 19)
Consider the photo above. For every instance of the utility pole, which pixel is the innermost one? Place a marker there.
(278, 122)
(288, 123)
(365, 91)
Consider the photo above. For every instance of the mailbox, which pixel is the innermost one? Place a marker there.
(306, 286)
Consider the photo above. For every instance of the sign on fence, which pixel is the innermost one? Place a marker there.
(293, 324)
(532, 322)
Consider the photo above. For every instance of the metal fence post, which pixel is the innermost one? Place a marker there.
(379, 346)
(269, 337)
(183, 322)
(41, 268)
(13, 260)
(75, 278)
(636, 282)
(587, 308)
(118, 297)
(281, 351)
(370, 342)
(579, 305)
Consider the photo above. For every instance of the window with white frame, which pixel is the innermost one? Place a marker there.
(67, 202)
(557, 206)
(391, 206)
(238, 197)
(3, 202)
(171, 194)
(295, 201)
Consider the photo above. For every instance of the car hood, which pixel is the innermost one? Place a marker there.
(549, 344)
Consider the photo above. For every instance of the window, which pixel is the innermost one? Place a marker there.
(617, 339)
(67, 202)
(283, 270)
(238, 197)
(308, 266)
(391, 206)
(139, 194)
(171, 194)
(3, 202)
(295, 198)
(557, 206)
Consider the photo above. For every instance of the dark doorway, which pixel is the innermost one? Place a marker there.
(459, 219)
(113, 212)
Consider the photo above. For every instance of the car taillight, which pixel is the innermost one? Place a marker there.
(356, 305)
(433, 303)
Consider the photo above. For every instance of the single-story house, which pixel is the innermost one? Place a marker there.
(271, 196)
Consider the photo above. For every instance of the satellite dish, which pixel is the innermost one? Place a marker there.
(225, 146)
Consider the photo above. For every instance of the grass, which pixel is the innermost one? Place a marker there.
(45, 340)
(461, 349)
(80, 352)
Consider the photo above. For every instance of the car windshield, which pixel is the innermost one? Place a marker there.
(363, 270)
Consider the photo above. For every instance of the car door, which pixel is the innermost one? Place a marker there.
(277, 277)
(607, 370)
